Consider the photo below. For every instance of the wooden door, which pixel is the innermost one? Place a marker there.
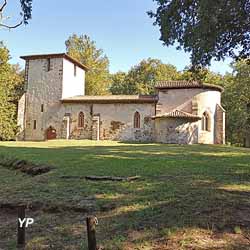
(51, 133)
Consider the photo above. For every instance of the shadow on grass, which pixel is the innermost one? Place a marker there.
(182, 187)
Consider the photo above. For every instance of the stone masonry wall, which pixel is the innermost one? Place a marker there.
(219, 125)
(21, 117)
(43, 88)
(177, 131)
(117, 121)
(43, 99)
(184, 99)
(74, 110)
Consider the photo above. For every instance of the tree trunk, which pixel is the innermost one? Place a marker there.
(247, 139)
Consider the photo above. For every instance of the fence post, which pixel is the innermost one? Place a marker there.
(20, 229)
(91, 224)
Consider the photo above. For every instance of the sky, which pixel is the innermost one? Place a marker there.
(121, 28)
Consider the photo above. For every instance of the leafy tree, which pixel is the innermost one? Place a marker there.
(236, 99)
(83, 49)
(205, 28)
(118, 83)
(9, 82)
(18, 90)
(142, 78)
(26, 9)
(202, 75)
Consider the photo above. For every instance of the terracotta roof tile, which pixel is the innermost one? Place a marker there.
(178, 114)
(185, 84)
(113, 99)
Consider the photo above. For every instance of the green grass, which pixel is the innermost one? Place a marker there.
(182, 189)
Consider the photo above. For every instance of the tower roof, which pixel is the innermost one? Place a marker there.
(59, 55)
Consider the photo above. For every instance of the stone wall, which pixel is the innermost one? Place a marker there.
(196, 101)
(219, 128)
(176, 130)
(96, 128)
(21, 117)
(44, 90)
(116, 121)
(74, 109)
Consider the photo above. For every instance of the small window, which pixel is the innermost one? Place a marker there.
(75, 70)
(81, 120)
(34, 124)
(42, 108)
(137, 120)
(48, 64)
(206, 122)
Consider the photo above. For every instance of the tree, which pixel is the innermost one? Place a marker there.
(9, 83)
(236, 100)
(83, 49)
(202, 75)
(118, 83)
(142, 78)
(205, 28)
(26, 9)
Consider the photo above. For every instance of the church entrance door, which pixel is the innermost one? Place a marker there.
(51, 133)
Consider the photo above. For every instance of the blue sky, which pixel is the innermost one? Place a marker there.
(121, 28)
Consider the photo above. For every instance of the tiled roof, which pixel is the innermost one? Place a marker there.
(178, 114)
(185, 84)
(58, 55)
(112, 99)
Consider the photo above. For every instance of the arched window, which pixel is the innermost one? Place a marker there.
(206, 122)
(81, 120)
(137, 120)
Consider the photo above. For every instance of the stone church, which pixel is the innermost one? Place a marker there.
(55, 106)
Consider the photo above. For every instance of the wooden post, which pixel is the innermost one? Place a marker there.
(21, 230)
(91, 224)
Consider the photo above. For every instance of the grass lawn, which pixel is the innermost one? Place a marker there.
(188, 197)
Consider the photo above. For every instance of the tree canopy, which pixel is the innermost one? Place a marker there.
(25, 13)
(236, 100)
(205, 28)
(118, 83)
(10, 85)
(142, 78)
(83, 49)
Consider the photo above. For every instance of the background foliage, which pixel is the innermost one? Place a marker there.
(83, 49)
(205, 28)
(11, 84)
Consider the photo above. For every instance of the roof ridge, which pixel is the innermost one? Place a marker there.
(185, 84)
(55, 55)
(176, 113)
